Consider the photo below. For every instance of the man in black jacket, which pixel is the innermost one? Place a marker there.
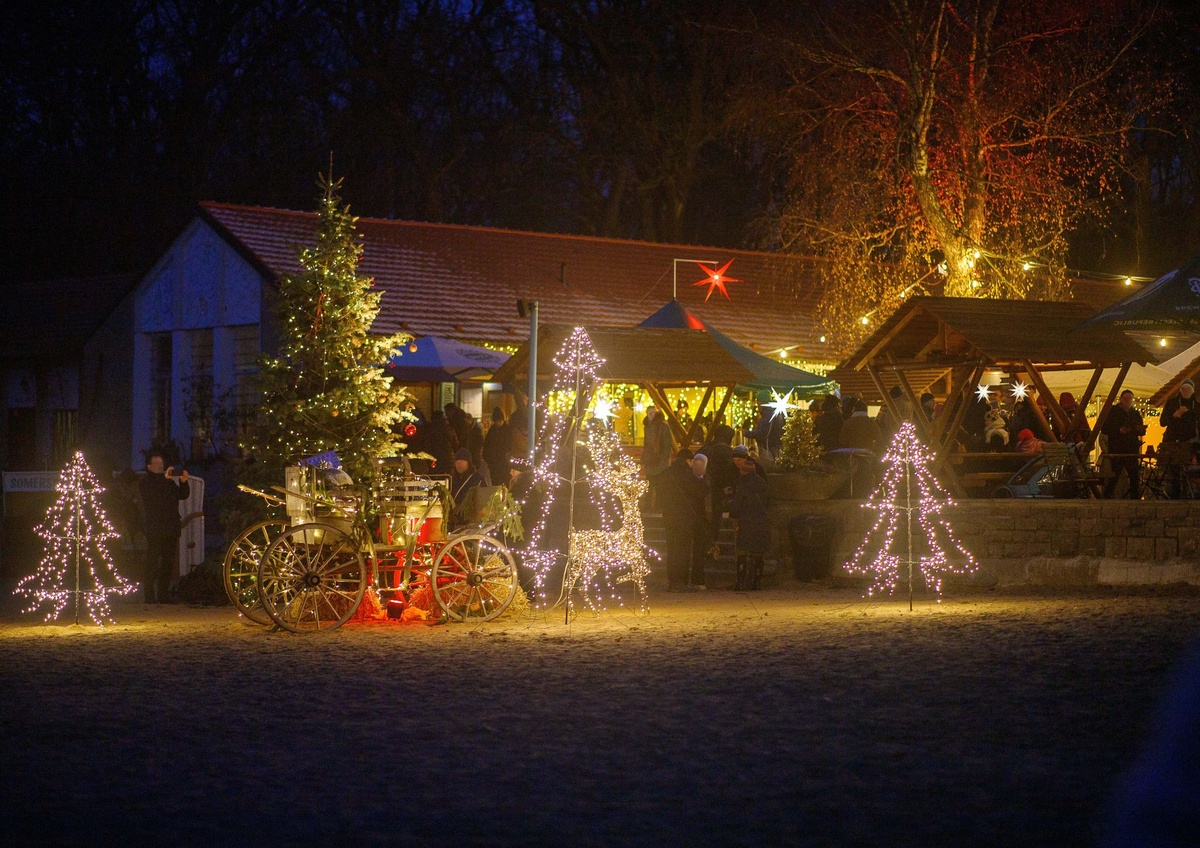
(1124, 429)
(161, 493)
(1179, 419)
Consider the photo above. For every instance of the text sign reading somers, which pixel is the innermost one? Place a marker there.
(29, 481)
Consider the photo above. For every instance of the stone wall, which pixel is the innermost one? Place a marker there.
(1039, 542)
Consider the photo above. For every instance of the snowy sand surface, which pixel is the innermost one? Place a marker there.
(792, 717)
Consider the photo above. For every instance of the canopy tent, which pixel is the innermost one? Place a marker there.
(946, 345)
(1170, 302)
(768, 373)
(439, 360)
(655, 358)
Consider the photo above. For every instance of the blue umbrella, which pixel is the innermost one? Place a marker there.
(438, 360)
(1171, 301)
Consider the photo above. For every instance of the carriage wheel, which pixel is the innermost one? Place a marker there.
(241, 568)
(474, 578)
(312, 578)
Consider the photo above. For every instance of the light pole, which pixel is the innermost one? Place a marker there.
(530, 308)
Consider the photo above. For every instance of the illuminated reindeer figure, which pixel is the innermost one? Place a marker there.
(618, 554)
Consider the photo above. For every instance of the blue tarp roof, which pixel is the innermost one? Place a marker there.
(768, 373)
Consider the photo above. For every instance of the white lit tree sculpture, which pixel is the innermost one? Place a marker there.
(76, 564)
(911, 533)
(598, 560)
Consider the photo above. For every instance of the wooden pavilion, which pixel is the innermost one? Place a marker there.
(656, 359)
(946, 345)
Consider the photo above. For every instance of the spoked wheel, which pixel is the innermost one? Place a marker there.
(312, 578)
(474, 578)
(241, 568)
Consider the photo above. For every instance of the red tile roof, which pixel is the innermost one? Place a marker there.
(463, 282)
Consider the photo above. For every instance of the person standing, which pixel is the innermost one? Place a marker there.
(441, 443)
(703, 536)
(752, 523)
(463, 481)
(682, 498)
(1179, 419)
(1124, 429)
(656, 453)
(721, 473)
(161, 492)
(829, 424)
(498, 448)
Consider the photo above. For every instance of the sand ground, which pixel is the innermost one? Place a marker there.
(790, 717)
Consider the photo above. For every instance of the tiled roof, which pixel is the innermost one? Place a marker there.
(53, 319)
(463, 282)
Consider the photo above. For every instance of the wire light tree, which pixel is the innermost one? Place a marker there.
(76, 564)
(892, 551)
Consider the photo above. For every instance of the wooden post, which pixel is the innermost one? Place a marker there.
(1056, 411)
(699, 411)
(918, 410)
(1113, 393)
(720, 411)
(664, 406)
(1081, 412)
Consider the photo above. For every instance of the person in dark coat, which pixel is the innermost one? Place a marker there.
(860, 430)
(829, 424)
(682, 506)
(703, 537)
(1124, 429)
(656, 453)
(161, 491)
(1180, 421)
(751, 520)
(441, 443)
(497, 448)
(462, 481)
(721, 473)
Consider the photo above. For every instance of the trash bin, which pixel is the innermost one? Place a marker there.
(811, 537)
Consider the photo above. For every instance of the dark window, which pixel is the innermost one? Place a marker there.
(160, 385)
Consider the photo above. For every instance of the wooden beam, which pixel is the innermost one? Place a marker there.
(1051, 402)
(1113, 393)
(888, 400)
(918, 411)
(699, 411)
(664, 406)
(712, 428)
(943, 452)
(1080, 415)
(883, 342)
(942, 419)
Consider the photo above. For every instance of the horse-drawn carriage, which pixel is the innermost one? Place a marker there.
(312, 569)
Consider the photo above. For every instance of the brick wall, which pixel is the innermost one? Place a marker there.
(1041, 541)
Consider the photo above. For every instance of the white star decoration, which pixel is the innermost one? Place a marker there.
(1019, 390)
(983, 393)
(782, 405)
(602, 409)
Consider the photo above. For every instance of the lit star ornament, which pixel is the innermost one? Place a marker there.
(1020, 391)
(983, 393)
(781, 405)
(716, 279)
(602, 409)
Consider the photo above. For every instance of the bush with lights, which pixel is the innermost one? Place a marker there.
(800, 448)
(327, 388)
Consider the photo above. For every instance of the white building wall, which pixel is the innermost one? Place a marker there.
(200, 282)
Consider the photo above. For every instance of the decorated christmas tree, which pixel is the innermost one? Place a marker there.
(800, 448)
(77, 565)
(912, 535)
(327, 389)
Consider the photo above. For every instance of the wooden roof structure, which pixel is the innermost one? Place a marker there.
(655, 358)
(945, 345)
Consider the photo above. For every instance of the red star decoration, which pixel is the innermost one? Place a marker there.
(716, 279)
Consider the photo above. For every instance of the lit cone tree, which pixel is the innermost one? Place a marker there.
(327, 388)
(912, 535)
(575, 369)
(800, 448)
(76, 566)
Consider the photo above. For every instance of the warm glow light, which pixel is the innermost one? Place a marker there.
(1020, 391)
(1026, 266)
(864, 320)
(983, 393)
(1162, 342)
(1129, 281)
(602, 408)
(822, 340)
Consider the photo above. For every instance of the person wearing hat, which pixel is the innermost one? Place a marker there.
(703, 537)
(1179, 420)
(752, 524)
(462, 481)
(1028, 443)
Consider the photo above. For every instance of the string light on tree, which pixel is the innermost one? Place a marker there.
(76, 564)
(892, 552)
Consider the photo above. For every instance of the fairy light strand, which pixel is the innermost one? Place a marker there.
(76, 533)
